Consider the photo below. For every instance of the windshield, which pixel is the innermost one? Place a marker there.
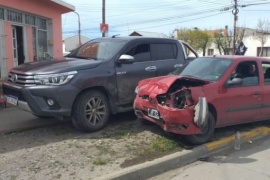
(98, 49)
(209, 68)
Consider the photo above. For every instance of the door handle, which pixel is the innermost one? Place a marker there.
(256, 93)
(178, 65)
(151, 68)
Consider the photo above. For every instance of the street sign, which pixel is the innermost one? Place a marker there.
(104, 28)
(241, 50)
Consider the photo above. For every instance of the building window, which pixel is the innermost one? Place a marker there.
(34, 34)
(31, 20)
(228, 51)
(265, 51)
(39, 29)
(1, 13)
(42, 24)
(210, 52)
(41, 38)
(42, 44)
(14, 16)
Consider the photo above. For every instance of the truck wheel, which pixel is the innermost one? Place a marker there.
(207, 132)
(91, 111)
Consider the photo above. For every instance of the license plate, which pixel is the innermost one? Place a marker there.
(153, 113)
(12, 100)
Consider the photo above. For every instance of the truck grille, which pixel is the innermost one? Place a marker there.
(13, 92)
(21, 79)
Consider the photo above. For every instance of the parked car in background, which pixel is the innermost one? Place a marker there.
(96, 80)
(211, 92)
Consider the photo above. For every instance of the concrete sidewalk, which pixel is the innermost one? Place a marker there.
(13, 119)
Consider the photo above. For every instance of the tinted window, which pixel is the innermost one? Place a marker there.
(140, 53)
(101, 50)
(266, 72)
(164, 51)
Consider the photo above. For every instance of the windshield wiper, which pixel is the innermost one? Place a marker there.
(81, 57)
(95, 58)
(189, 76)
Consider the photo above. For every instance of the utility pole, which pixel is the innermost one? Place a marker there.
(103, 15)
(79, 30)
(235, 11)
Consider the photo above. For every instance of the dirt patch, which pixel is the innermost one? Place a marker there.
(62, 152)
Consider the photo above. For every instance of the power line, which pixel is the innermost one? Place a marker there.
(66, 32)
(166, 18)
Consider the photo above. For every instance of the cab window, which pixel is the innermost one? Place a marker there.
(141, 52)
(266, 72)
(248, 72)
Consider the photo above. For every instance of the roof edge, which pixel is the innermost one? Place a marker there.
(65, 4)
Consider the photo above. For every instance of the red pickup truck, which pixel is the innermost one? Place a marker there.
(211, 92)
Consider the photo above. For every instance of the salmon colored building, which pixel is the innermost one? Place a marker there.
(30, 30)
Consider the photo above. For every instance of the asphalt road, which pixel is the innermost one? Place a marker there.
(251, 162)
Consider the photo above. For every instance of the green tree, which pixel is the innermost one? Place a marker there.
(198, 39)
(202, 40)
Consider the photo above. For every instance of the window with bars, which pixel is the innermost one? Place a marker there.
(265, 51)
(2, 13)
(39, 28)
(42, 43)
(29, 19)
(210, 52)
(14, 16)
(42, 24)
(34, 34)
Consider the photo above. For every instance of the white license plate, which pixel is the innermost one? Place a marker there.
(153, 113)
(12, 100)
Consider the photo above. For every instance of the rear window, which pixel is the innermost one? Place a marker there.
(164, 51)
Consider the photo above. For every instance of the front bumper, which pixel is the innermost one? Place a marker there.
(179, 121)
(35, 98)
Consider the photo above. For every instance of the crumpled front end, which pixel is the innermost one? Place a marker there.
(181, 110)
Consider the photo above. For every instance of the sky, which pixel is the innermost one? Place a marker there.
(161, 16)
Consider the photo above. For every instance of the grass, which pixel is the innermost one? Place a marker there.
(100, 162)
(158, 147)
(162, 144)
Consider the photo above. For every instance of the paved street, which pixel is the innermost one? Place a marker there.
(13, 119)
(249, 163)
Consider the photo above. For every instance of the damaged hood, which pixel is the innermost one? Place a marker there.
(161, 85)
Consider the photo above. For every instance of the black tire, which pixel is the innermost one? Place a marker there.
(91, 111)
(207, 132)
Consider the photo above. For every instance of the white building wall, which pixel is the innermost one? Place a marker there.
(250, 42)
(71, 43)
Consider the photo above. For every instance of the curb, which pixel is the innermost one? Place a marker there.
(179, 159)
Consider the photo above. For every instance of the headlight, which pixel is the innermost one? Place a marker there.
(54, 79)
(136, 90)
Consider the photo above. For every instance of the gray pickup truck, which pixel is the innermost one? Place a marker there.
(95, 80)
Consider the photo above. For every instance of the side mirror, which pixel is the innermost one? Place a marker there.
(126, 59)
(234, 82)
